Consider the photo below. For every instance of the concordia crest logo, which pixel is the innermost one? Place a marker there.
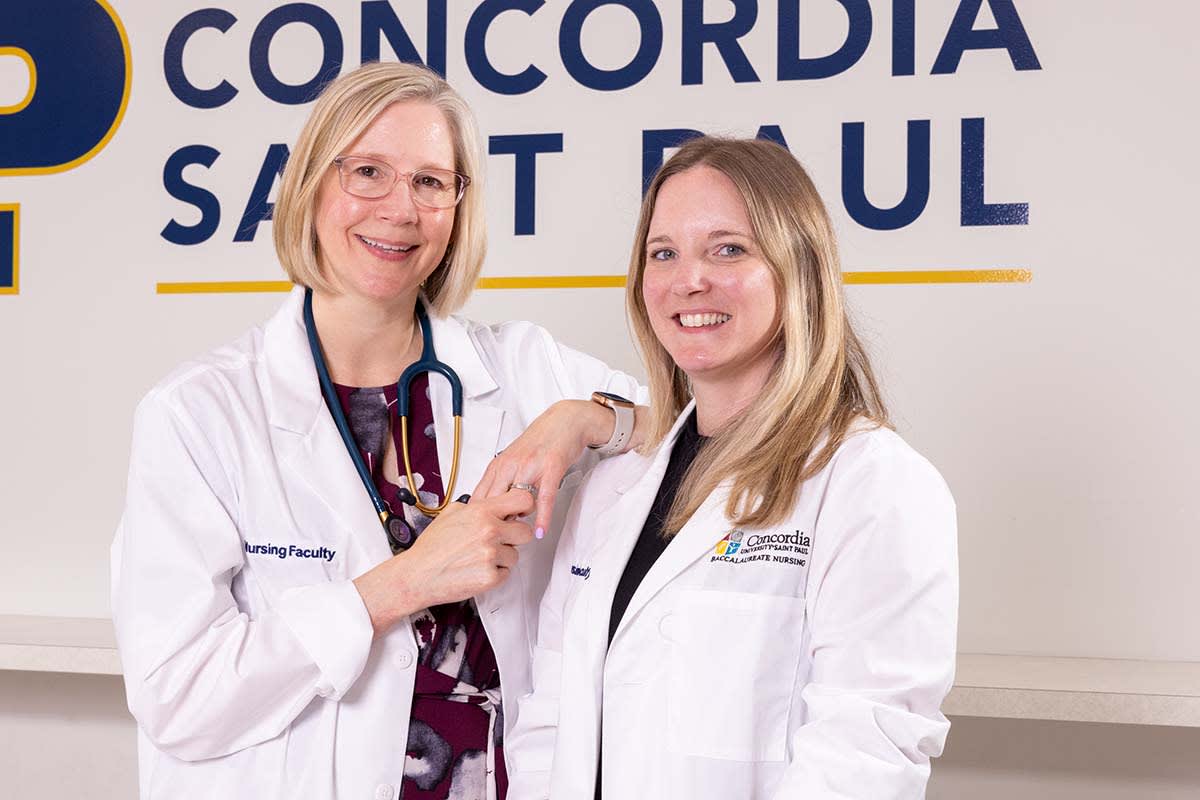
(779, 548)
(730, 544)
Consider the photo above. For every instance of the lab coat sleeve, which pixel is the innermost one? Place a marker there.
(882, 603)
(588, 374)
(530, 746)
(202, 678)
(562, 373)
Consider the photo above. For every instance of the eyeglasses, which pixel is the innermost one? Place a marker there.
(431, 188)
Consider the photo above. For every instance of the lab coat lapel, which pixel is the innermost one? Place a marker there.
(617, 529)
(693, 541)
(481, 422)
(620, 526)
(323, 463)
(481, 426)
(308, 440)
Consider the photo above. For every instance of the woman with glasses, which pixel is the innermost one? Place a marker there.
(302, 608)
(762, 605)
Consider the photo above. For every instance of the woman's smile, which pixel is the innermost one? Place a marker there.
(701, 321)
(386, 249)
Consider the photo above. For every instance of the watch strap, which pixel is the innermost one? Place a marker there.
(622, 427)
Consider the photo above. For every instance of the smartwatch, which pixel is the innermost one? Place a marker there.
(623, 429)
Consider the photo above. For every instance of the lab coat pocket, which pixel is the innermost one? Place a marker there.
(734, 657)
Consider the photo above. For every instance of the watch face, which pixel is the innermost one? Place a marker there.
(614, 398)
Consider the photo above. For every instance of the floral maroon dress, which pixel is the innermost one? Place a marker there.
(456, 703)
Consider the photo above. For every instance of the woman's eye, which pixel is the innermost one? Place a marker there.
(429, 181)
(730, 250)
(367, 171)
(662, 255)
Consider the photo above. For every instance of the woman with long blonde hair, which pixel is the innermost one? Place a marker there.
(761, 603)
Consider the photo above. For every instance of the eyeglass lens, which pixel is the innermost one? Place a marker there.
(434, 188)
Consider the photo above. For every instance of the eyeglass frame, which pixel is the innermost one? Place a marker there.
(464, 181)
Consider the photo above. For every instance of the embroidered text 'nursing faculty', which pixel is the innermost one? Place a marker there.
(290, 551)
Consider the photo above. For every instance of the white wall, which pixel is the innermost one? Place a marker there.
(65, 736)
(1004, 759)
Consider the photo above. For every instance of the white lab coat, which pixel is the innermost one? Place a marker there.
(254, 676)
(808, 667)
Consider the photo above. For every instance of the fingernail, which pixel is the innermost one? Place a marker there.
(539, 532)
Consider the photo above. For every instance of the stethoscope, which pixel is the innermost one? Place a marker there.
(399, 533)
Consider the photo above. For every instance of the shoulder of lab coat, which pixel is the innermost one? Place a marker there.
(882, 603)
(510, 351)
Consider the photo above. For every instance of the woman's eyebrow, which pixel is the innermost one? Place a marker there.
(384, 160)
(658, 239)
(720, 233)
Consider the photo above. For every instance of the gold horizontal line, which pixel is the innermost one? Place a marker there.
(554, 282)
(224, 287)
(618, 281)
(940, 276)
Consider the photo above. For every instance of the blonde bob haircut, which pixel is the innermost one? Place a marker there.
(821, 387)
(345, 108)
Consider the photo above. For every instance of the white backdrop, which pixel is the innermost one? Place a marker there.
(1059, 408)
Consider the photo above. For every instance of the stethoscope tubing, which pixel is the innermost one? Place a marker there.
(427, 363)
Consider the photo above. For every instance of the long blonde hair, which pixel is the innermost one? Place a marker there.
(346, 108)
(822, 380)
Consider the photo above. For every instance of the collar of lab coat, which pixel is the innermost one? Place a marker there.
(295, 391)
(653, 467)
(316, 451)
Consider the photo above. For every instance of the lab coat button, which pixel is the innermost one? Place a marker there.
(405, 661)
(667, 627)
(384, 791)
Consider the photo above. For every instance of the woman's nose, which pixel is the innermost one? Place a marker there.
(690, 276)
(398, 205)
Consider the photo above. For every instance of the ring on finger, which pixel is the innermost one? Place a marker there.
(528, 487)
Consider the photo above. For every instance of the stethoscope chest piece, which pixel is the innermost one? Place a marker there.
(400, 533)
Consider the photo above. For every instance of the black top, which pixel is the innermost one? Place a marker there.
(651, 543)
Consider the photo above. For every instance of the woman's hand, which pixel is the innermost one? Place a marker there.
(542, 454)
(467, 550)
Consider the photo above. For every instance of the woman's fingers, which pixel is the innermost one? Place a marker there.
(540, 457)
(512, 503)
(543, 474)
(547, 494)
(507, 557)
(482, 489)
(456, 557)
(515, 533)
(500, 473)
